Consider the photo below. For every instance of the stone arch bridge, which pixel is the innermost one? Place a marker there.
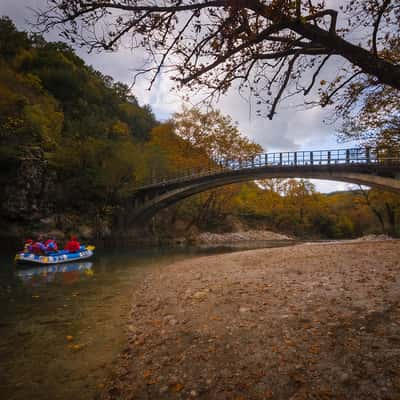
(362, 166)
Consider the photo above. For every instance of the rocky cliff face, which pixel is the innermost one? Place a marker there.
(27, 195)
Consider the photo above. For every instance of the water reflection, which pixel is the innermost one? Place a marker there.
(64, 273)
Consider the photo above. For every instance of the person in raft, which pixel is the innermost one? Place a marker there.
(28, 246)
(38, 247)
(51, 245)
(73, 245)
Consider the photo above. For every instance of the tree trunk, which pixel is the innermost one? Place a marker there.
(391, 219)
(202, 210)
(376, 212)
(380, 218)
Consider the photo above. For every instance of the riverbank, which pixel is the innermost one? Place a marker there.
(316, 321)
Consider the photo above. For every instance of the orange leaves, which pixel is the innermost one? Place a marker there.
(274, 349)
(215, 134)
(290, 343)
(76, 347)
(315, 349)
(177, 387)
(146, 374)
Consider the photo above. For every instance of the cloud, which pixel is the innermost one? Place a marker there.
(289, 130)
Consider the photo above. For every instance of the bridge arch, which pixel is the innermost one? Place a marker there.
(162, 196)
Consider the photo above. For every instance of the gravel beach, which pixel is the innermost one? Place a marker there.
(310, 321)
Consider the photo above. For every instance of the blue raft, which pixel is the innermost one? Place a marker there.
(56, 257)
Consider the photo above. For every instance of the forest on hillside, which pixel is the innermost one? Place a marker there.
(75, 145)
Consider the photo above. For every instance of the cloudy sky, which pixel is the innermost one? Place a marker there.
(291, 129)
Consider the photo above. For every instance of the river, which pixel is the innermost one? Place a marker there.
(61, 327)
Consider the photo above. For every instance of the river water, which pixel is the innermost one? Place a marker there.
(61, 327)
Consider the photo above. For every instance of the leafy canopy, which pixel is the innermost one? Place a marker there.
(89, 128)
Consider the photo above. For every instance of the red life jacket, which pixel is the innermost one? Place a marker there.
(72, 246)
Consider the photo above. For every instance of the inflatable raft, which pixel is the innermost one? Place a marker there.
(58, 257)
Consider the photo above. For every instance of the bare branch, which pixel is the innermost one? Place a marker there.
(171, 46)
(332, 13)
(381, 11)
(230, 53)
(93, 5)
(283, 86)
(298, 8)
(316, 73)
(285, 53)
(328, 98)
(132, 24)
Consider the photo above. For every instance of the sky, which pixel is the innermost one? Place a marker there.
(291, 129)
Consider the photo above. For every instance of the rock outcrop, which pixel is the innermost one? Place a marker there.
(27, 195)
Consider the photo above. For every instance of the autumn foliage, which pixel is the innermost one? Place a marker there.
(99, 145)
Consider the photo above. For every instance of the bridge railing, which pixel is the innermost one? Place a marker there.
(285, 159)
(301, 158)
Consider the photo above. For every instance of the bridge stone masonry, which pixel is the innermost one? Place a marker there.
(363, 166)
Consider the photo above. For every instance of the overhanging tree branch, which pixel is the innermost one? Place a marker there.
(212, 43)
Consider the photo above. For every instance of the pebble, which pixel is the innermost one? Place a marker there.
(200, 295)
(344, 377)
(163, 389)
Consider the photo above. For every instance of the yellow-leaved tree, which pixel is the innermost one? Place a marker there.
(207, 139)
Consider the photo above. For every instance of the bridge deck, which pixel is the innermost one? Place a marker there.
(360, 159)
